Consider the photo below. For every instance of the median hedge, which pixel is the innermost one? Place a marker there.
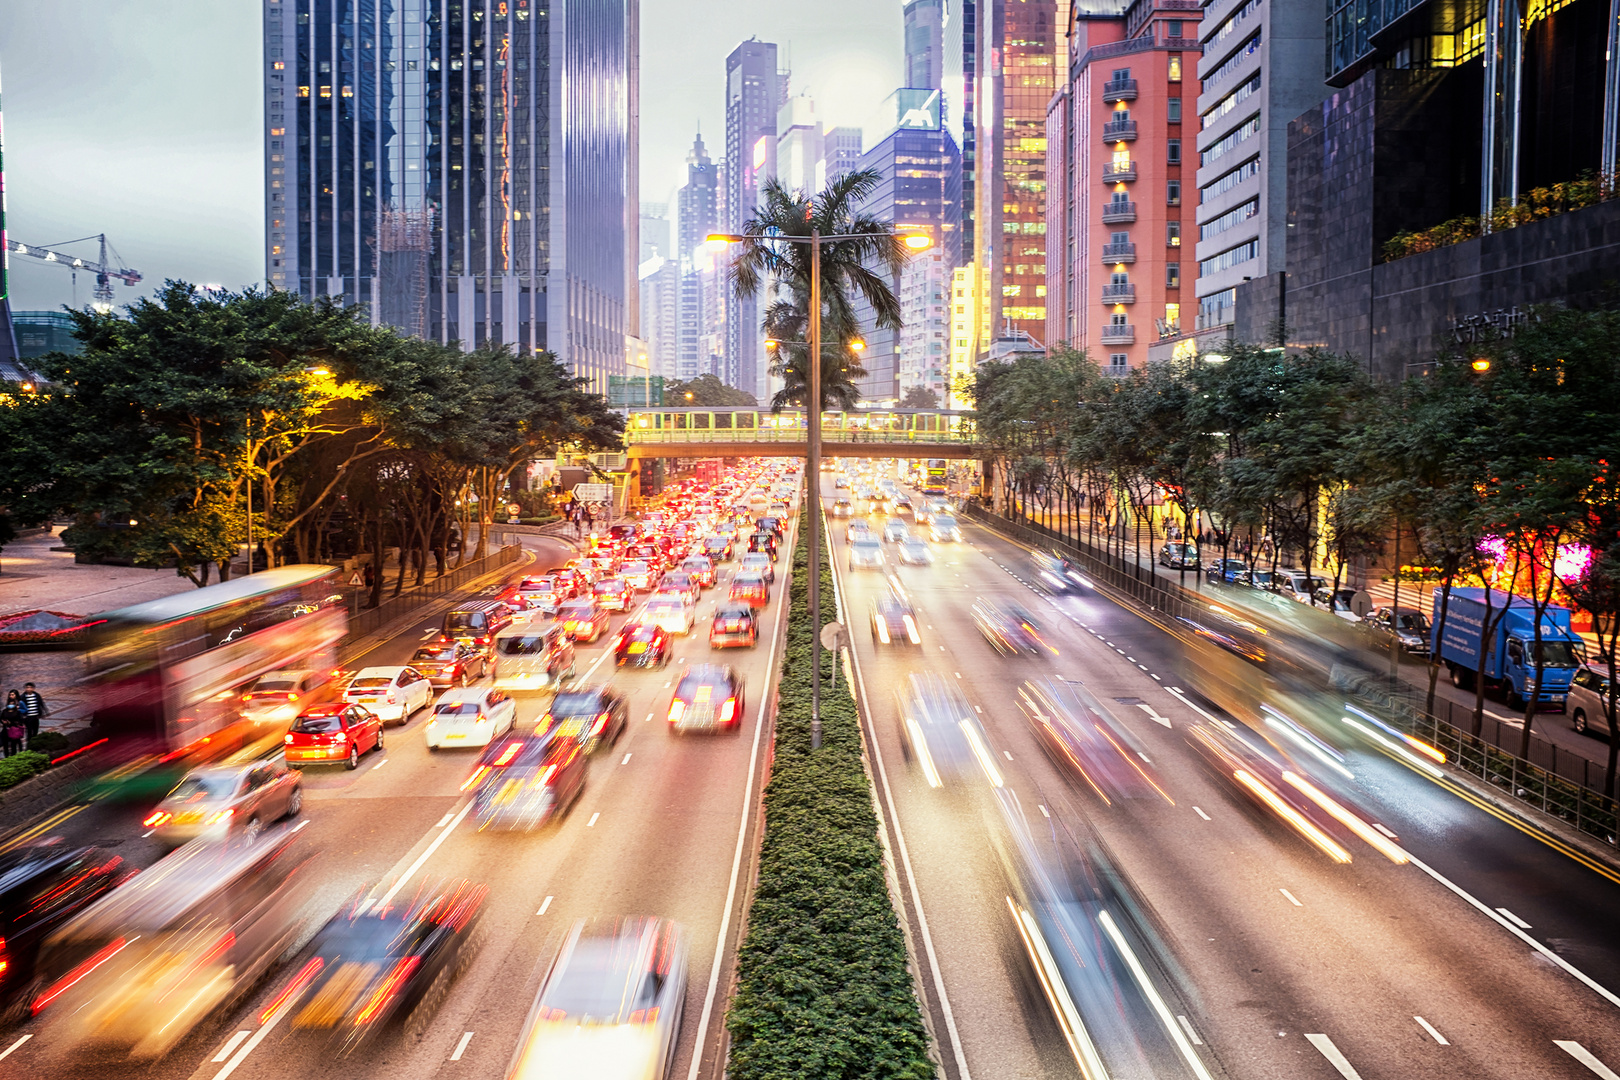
(824, 988)
(19, 767)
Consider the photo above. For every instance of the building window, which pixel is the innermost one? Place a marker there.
(1119, 238)
(1172, 110)
(1172, 27)
(1120, 277)
(1172, 193)
(1120, 75)
(1172, 275)
(1172, 152)
(1116, 363)
(1175, 67)
(1172, 234)
(1117, 319)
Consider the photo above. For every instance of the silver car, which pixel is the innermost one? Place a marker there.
(227, 799)
(1588, 702)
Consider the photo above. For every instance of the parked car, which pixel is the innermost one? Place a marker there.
(1588, 702)
(1296, 585)
(332, 732)
(1342, 602)
(475, 716)
(391, 693)
(1227, 572)
(1178, 555)
(449, 663)
(1404, 628)
(224, 799)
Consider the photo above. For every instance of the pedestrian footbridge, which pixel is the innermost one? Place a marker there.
(754, 432)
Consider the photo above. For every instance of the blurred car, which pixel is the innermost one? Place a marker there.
(749, 588)
(533, 657)
(701, 568)
(223, 799)
(1342, 602)
(1407, 629)
(450, 663)
(1262, 579)
(709, 697)
(584, 619)
(682, 584)
(71, 878)
(610, 1006)
(332, 732)
(1227, 572)
(1082, 735)
(613, 593)
(943, 529)
(858, 529)
(718, 548)
(390, 693)
(376, 966)
(528, 781)
(895, 530)
(763, 543)
(733, 624)
(916, 552)
(866, 553)
(643, 644)
(1057, 574)
(596, 716)
(1296, 585)
(641, 575)
(1178, 555)
(840, 482)
(772, 524)
(842, 507)
(277, 697)
(1010, 631)
(941, 733)
(542, 594)
(670, 611)
(894, 622)
(472, 717)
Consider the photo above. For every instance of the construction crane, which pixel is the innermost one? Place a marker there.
(105, 271)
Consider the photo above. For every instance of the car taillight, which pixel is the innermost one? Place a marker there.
(645, 1016)
(601, 723)
(390, 697)
(728, 710)
(221, 817)
(156, 819)
(387, 989)
(288, 740)
(677, 709)
(551, 1014)
(479, 719)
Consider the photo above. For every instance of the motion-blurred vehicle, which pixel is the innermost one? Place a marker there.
(670, 611)
(680, 583)
(610, 1006)
(331, 732)
(641, 575)
(894, 622)
(756, 562)
(718, 548)
(842, 507)
(1057, 574)
(1296, 585)
(763, 542)
(749, 588)
(1082, 735)
(840, 482)
(709, 697)
(866, 553)
(771, 524)
(377, 966)
(533, 657)
(135, 972)
(613, 594)
(642, 644)
(525, 782)
(915, 552)
(1588, 703)
(941, 733)
(596, 716)
(895, 530)
(475, 716)
(543, 593)
(1010, 631)
(701, 570)
(859, 529)
(584, 619)
(943, 529)
(1179, 555)
(226, 799)
(277, 697)
(477, 623)
(70, 877)
(1227, 572)
(390, 693)
(450, 663)
(733, 624)
(1403, 628)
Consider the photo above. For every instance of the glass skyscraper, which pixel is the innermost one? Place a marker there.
(465, 170)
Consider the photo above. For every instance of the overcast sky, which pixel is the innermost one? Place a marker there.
(141, 118)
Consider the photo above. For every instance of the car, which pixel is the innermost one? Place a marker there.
(642, 644)
(770, 524)
(1178, 555)
(72, 878)
(866, 554)
(895, 530)
(894, 622)
(733, 624)
(1057, 574)
(902, 503)
(1405, 628)
(641, 575)
(943, 529)
(1588, 702)
(1227, 571)
(220, 800)
(450, 663)
(377, 967)
(533, 657)
(749, 588)
(527, 781)
(709, 697)
(843, 508)
(941, 733)
(672, 611)
(840, 483)
(1342, 602)
(390, 693)
(477, 622)
(763, 542)
(542, 594)
(682, 584)
(916, 552)
(595, 716)
(1010, 631)
(610, 1005)
(613, 593)
(1261, 579)
(717, 548)
(625, 532)
(857, 530)
(584, 619)
(331, 732)
(475, 716)
(757, 562)
(701, 568)
(1296, 585)
(277, 697)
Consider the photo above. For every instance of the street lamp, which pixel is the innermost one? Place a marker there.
(812, 409)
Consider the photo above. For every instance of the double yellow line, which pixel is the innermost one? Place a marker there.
(44, 826)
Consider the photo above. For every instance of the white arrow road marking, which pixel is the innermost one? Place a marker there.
(1154, 714)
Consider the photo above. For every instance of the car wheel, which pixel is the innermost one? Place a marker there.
(295, 803)
(354, 757)
(422, 1015)
(378, 747)
(1580, 722)
(253, 827)
(464, 679)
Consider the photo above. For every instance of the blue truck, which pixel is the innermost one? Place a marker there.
(1510, 664)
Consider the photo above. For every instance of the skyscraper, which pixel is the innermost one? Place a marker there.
(799, 140)
(698, 216)
(755, 91)
(654, 232)
(424, 161)
(925, 43)
(840, 153)
(660, 319)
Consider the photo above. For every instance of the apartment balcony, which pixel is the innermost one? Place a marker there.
(1114, 334)
(1118, 294)
(1113, 173)
(1119, 130)
(1118, 253)
(1119, 90)
(1118, 213)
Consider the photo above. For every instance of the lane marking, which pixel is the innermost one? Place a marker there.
(1201, 814)
(649, 717)
(1176, 690)
(420, 859)
(1155, 1000)
(461, 1047)
(379, 764)
(1426, 1026)
(1573, 1049)
(1151, 675)
(592, 822)
(1325, 1047)
(544, 904)
(1186, 1025)
(626, 760)
(975, 708)
(1153, 714)
(258, 1037)
(1044, 814)
(1292, 899)
(1008, 753)
(225, 1051)
(49, 823)
(1512, 918)
(147, 833)
(445, 820)
(1385, 831)
(7, 1052)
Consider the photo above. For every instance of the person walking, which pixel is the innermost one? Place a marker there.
(11, 724)
(33, 709)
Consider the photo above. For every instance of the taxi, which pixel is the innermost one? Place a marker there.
(750, 589)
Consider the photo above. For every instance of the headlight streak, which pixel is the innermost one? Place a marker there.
(919, 745)
(1324, 753)
(1074, 1029)
(1151, 992)
(981, 751)
(1376, 840)
(1419, 745)
(1399, 751)
(1299, 821)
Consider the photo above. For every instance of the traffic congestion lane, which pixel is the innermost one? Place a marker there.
(1391, 966)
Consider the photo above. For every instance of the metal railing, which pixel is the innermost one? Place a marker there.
(363, 622)
(1119, 294)
(1112, 173)
(1118, 212)
(957, 437)
(1119, 90)
(1115, 334)
(1119, 253)
(1115, 130)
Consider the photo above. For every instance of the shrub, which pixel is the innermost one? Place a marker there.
(824, 987)
(1533, 205)
(52, 744)
(19, 767)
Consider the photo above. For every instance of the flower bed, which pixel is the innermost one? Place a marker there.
(42, 628)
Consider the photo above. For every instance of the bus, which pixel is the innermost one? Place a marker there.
(934, 480)
(165, 676)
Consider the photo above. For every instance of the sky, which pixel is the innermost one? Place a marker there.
(141, 119)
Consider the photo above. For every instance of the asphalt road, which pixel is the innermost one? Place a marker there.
(1282, 963)
(665, 827)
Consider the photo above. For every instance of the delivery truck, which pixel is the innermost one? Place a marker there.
(1510, 659)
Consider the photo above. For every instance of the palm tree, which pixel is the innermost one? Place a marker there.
(844, 274)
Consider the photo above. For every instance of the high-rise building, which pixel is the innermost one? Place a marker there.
(965, 332)
(755, 92)
(1116, 213)
(799, 146)
(422, 160)
(925, 43)
(655, 232)
(840, 153)
(925, 310)
(698, 203)
(660, 314)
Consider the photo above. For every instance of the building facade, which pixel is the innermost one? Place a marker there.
(755, 93)
(799, 152)
(660, 315)
(925, 310)
(425, 162)
(654, 233)
(698, 206)
(840, 153)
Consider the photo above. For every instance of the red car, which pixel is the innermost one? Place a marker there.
(330, 733)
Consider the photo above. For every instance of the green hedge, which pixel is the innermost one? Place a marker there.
(823, 985)
(19, 767)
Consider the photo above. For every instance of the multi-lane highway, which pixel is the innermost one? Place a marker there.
(665, 827)
(1488, 954)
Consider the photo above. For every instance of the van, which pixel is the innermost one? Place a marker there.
(758, 503)
(477, 623)
(532, 658)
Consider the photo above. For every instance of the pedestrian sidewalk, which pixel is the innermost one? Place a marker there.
(34, 577)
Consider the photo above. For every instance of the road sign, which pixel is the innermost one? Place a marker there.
(593, 492)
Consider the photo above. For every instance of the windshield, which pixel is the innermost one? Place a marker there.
(456, 708)
(866, 547)
(274, 683)
(525, 645)
(370, 682)
(580, 704)
(447, 652)
(1414, 622)
(318, 725)
(196, 788)
(945, 522)
(1557, 654)
(592, 986)
(610, 586)
(464, 620)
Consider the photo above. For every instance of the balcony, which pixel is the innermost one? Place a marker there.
(1119, 130)
(1118, 212)
(1113, 172)
(1117, 334)
(1119, 253)
(1119, 90)
(1118, 294)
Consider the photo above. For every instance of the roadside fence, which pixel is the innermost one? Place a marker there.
(364, 622)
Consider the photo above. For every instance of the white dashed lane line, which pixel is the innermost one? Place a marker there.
(461, 1047)
(543, 905)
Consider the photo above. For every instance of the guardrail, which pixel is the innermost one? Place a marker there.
(369, 621)
(1548, 786)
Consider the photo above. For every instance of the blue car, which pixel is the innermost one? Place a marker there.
(1228, 572)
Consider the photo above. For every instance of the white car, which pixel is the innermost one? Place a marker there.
(670, 612)
(278, 698)
(943, 529)
(393, 694)
(474, 716)
(757, 562)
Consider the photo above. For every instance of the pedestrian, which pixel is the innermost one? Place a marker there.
(11, 724)
(33, 709)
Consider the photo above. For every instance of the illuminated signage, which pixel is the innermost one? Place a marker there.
(917, 109)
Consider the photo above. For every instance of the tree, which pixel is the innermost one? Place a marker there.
(844, 276)
(919, 397)
(706, 389)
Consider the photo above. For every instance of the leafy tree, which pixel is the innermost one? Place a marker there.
(706, 389)
(919, 397)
